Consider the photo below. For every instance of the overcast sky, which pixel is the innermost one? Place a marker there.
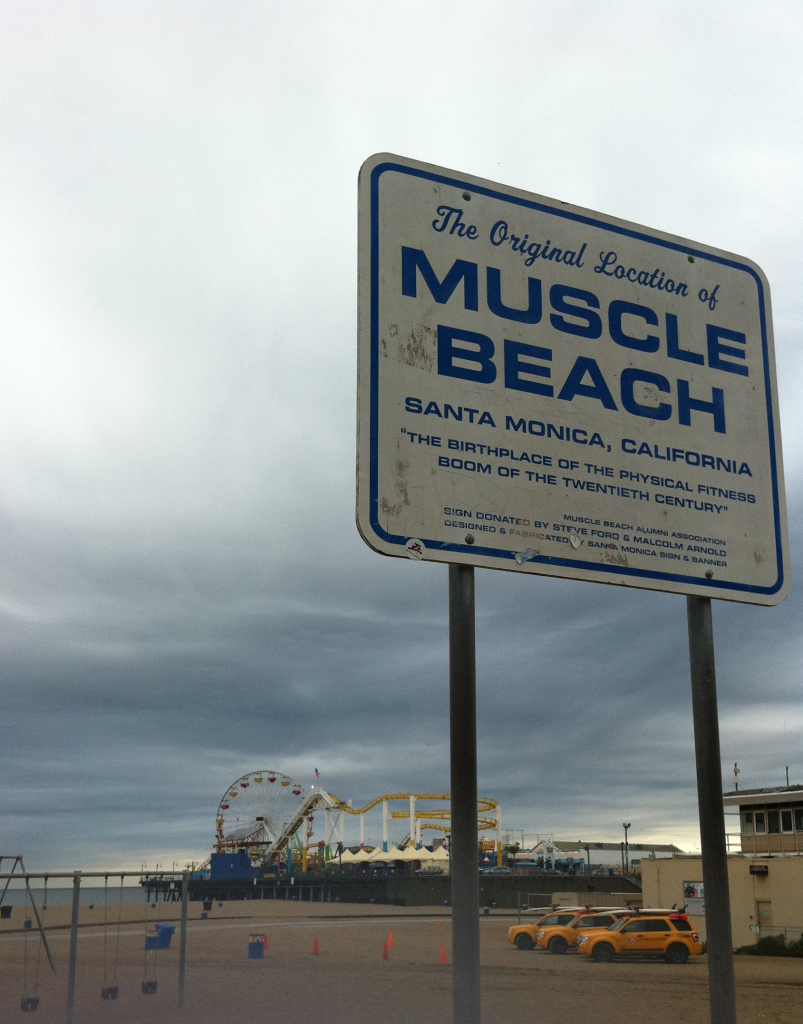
(183, 594)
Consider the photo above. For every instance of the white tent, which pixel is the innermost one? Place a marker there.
(347, 857)
(437, 856)
(410, 853)
(394, 853)
(361, 856)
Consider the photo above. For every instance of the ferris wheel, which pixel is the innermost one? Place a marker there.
(255, 809)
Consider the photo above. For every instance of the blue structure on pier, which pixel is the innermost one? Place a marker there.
(232, 865)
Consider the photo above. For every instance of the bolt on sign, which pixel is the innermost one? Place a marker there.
(550, 390)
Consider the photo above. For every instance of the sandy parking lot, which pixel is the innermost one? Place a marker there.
(349, 981)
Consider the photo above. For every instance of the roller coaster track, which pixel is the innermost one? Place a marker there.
(483, 803)
(315, 800)
(328, 801)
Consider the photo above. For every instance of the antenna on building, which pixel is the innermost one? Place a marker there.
(736, 776)
(787, 776)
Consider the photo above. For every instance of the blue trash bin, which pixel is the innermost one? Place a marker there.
(256, 950)
(151, 941)
(164, 933)
(27, 925)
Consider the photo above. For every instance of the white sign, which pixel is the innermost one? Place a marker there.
(694, 898)
(550, 390)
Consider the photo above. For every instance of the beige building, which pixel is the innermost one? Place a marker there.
(766, 877)
(766, 892)
(770, 820)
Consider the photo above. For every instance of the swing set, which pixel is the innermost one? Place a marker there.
(156, 937)
(30, 993)
(152, 937)
(110, 987)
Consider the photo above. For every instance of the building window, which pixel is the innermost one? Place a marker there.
(786, 821)
(772, 823)
(760, 825)
(747, 823)
(799, 819)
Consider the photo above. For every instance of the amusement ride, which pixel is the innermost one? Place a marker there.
(270, 815)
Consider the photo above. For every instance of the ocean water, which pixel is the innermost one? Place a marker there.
(59, 897)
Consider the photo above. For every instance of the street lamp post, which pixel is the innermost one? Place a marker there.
(626, 826)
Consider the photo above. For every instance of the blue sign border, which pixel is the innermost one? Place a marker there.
(474, 550)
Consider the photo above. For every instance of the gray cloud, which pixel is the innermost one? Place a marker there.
(183, 594)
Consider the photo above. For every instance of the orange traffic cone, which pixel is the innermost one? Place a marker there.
(315, 949)
(439, 924)
(385, 954)
(443, 956)
(265, 941)
(390, 940)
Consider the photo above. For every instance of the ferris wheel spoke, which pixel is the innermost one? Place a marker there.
(254, 810)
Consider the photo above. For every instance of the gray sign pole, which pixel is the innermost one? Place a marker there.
(76, 899)
(463, 762)
(719, 939)
(182, 956)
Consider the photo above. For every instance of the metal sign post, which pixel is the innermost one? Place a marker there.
(719, 940)
(463, 764)
(182, 956)
(550, 390)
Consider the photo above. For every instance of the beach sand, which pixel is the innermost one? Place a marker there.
(348, 981)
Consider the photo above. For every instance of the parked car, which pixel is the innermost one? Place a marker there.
(671, 936)
(560, 938)
(430, 869)
(523, 935)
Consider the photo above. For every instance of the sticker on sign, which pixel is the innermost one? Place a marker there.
(550, 390)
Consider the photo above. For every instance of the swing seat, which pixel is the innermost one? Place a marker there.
(149, 987)
(109, 992)
(29, 1003)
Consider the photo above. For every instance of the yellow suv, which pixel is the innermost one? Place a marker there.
(557, 938)
(523, 935)
(670, 935)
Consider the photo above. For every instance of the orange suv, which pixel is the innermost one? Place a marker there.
(560, 937)
(523, 935)
(669, 934)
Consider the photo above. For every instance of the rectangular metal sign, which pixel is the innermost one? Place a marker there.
(694, 898)
(546, 389)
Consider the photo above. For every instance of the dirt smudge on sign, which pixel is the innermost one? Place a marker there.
(393, 509)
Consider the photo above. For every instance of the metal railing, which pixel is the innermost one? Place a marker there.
(790, 932)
